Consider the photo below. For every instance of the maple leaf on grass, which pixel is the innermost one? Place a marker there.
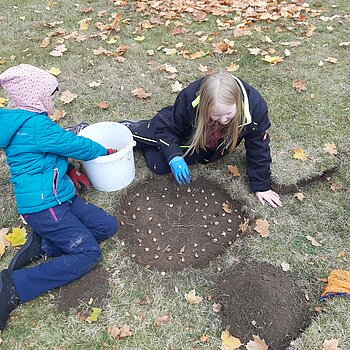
(103, 105)
(299, 153)
(3, 102)
(119, 333)
(192, 298)
(272, 59)
(17, 237)
(229, 342)
(257, 344)
(141, 93)
(331, 148)
(299, 85)
(262, 227)
(162, 320)
(234, 170)
(57, 115)
(176, 87)
(67, 97)
(232, 67)
(58, 51)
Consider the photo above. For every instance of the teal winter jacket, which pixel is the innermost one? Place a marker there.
(37, 151)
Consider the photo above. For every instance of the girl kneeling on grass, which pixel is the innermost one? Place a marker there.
(208, 120)
(66, 227)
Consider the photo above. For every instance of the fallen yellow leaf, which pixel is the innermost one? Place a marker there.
(229, 342)
(299, 153)
(17, 237)
(272, 59)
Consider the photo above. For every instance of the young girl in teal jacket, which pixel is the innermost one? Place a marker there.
(66, 227)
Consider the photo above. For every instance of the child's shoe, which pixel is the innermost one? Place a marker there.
(29, 252)
(77, 128)
(8, 297)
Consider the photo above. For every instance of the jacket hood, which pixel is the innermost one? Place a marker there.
(28, 87)
(10, 121)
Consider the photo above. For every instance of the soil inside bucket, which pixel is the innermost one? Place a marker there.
(261, 299)
(169, 227)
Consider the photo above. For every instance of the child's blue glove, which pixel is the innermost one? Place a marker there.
(180, 170)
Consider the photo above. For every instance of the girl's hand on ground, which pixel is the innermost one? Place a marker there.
(270, 197)
(180, 170)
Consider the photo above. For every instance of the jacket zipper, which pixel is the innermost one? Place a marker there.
(56, 175)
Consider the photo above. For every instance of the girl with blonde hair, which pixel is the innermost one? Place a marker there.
(208, 120)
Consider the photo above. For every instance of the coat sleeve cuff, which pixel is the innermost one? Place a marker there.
(260, 186)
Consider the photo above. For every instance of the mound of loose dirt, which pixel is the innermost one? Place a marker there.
(92, 289)
(170, 227)
(261, 299)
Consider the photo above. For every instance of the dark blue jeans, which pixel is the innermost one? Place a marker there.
(70, 233)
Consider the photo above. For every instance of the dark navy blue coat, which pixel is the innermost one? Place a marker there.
(172, 127)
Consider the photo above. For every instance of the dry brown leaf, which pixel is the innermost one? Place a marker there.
(103, 105)
(243, 226)
(192, 298)
(57, 115)
(203, 69)
(141, 93)
(257, 344)
(234, 170)
(331, 148)
(331, 344)
(299, 85)
(232, 67)
(313, 241)
(58, 51)
(162, 320)
(300, 196)
(262, 227)
(67, 97)
(227, 207)
(118, 333)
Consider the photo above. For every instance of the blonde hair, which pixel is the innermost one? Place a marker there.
(219, 88)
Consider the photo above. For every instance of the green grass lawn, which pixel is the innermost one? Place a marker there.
(306, 120)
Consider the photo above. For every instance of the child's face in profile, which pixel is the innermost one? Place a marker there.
(223, 113)
(51, 104)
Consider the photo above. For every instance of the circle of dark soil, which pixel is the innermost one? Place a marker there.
(92, 289)
(169, 227)
(261, 299)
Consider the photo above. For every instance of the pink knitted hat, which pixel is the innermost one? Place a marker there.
(28, 87)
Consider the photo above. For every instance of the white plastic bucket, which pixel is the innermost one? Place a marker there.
(116, 171)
